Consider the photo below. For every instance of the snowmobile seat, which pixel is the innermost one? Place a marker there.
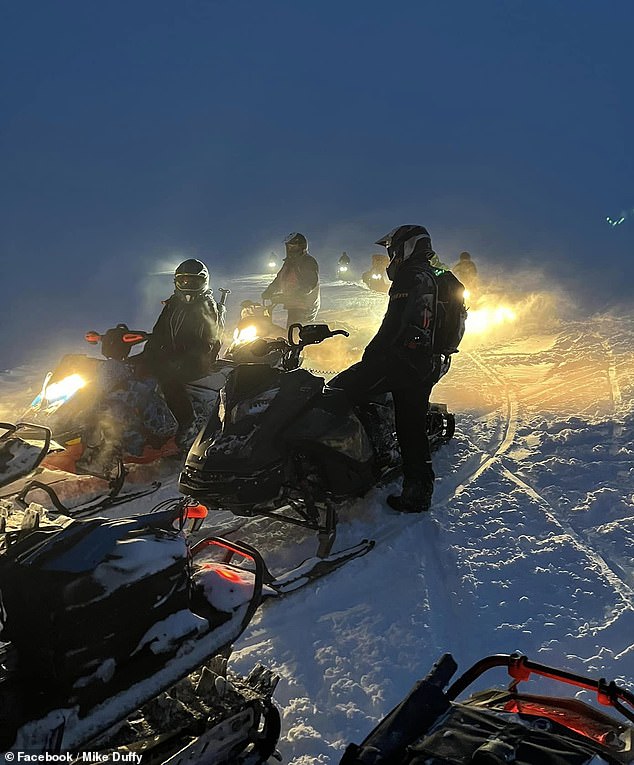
(384, 399)
(248, 379)
(335, 401)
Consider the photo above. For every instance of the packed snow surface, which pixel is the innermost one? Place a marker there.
(529, 545)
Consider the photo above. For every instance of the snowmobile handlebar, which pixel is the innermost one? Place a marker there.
(223, 296)
(117, 342)
(308, 334)
(312, 334)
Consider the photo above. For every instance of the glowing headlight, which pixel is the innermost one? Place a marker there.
(485, 319)
(58, 393)
(343, 269)
(245, 335)
(272, 264)
(376, 276)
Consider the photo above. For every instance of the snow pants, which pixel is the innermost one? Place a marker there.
(411, 402)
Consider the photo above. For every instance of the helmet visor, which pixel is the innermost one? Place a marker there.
(190, 282)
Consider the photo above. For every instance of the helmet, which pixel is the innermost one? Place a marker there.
(465, 256)
(403, 242)
(191, 279)
(296, 244)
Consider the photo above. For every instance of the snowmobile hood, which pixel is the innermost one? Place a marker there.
(82, 545)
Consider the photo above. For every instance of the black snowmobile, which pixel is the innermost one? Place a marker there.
(291, 448)
(115, 638)
(501, 726)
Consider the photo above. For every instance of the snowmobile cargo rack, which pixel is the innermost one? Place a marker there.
(521, 668)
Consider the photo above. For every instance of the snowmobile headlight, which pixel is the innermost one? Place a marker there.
(253, 406)
(272, 264)
(245, 335)
(484, 320)
(343, 269)
(376, 276)
(53, 395)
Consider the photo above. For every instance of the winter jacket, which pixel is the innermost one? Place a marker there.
(404, 341)
(466, 271)
(186, 336)
(298, 283)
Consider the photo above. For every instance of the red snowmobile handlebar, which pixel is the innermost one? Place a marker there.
(117, 342)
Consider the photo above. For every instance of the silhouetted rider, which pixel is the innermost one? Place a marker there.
(400, 359)
(466, 270)
(296, 285)
(185, 341)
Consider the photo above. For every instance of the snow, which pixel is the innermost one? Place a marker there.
(529, 545)
(167, 633)
(225, 587)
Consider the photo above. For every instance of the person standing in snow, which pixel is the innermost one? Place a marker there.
(465, 269)
(400, 359)
(185, 342)
(296, 285)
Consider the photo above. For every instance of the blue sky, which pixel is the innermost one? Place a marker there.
(132, 132)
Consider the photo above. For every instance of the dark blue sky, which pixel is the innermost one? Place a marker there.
(134, 131)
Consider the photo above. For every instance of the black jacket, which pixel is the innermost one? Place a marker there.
(404, 341)
(186, 336)
(297, 282)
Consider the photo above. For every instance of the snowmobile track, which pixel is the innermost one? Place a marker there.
(609, 569)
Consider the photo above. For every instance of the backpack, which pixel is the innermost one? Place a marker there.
(451, 312)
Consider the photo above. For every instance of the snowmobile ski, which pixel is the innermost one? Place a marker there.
(88, 508)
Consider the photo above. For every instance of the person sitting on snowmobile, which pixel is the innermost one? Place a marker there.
(465, 269)
(185, 342)
(400, 359)
(376, 278)
(296, 285)
(343, 266)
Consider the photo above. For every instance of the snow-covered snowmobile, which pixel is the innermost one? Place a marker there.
(499, 726)
(292, 448)
(115, 639)
(20, 456)
(103, 413)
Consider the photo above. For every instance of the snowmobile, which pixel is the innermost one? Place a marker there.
(256, 322)
(376, 278)
(103, 413)
(499, 726)
(291, 448)
(18, 456)
(115, 640)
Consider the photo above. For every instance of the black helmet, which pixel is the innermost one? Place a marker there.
(465, 256)
(191, 279)
(296, 244)
(403, 242)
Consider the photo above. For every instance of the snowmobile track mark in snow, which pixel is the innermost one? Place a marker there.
(577, 538)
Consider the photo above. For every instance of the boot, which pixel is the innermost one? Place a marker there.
(415, 498)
